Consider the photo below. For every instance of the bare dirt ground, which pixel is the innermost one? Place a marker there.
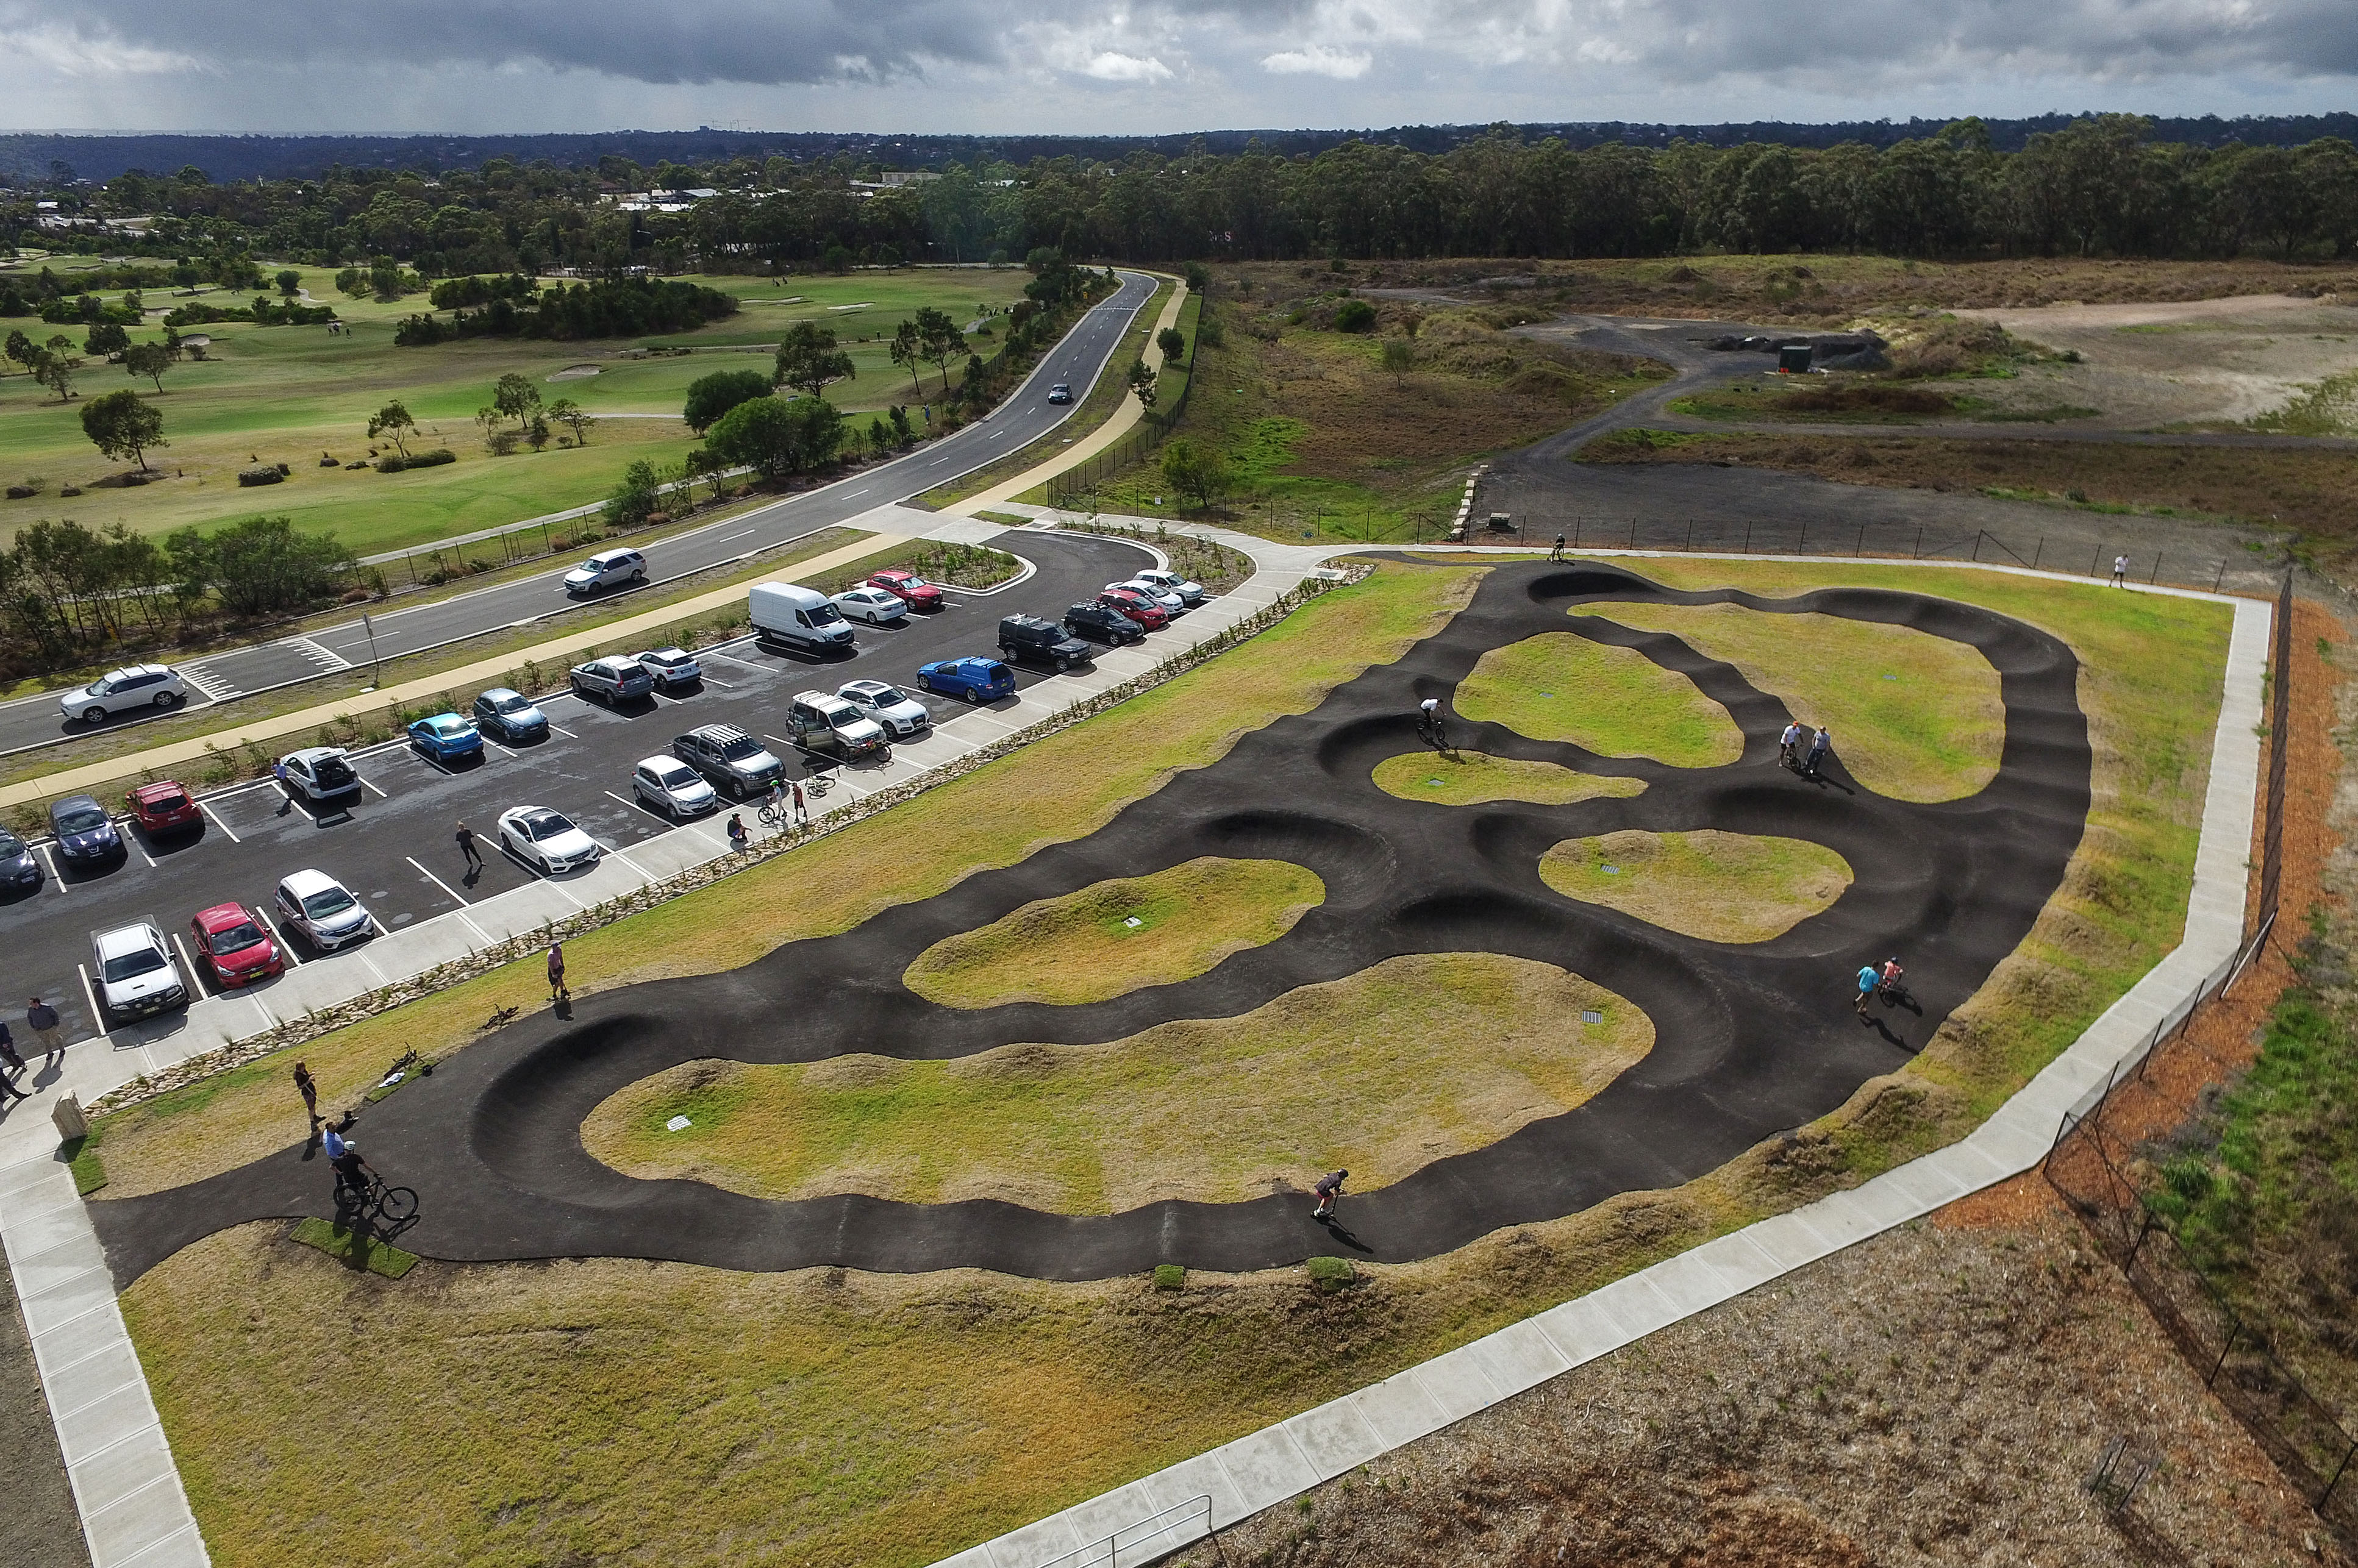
(38, 1526)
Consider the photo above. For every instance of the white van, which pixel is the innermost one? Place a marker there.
(798, 617)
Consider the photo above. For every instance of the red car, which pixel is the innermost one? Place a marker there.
(236, 947)
(164, 807)
(1136, 606)
(908, 588)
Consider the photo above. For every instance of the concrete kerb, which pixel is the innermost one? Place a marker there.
(1421, 1399)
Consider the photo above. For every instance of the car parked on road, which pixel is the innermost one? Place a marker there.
(877, 606)
(908, 588)
(607, 568)
(896, 710)
(1104, 622)
(1191, 592)
(974, 678)
(511, 715)
(1045, 641)
(611, 679)
(447, 737)
(319, 773)
(85, 834)
(1060, 393)
(164, 807)
(730, 757)
(20, 869)
(672, 787)
(671, 668)
(1171, 603)
(119, 691)
(323, 909)
(545, 838)
(1148, 612)
(822, 721)
(133, 972)
(234, 944)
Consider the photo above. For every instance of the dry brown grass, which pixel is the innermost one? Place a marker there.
(1714, 886)
(1370, 1073)
(1470, 778)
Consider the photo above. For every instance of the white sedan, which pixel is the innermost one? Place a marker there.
(872, 605)
(547, 839)
(671, 786)
(895, 710)
(1172, 602)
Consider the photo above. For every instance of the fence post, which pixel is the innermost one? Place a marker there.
(1803, 547)
(2216, 580)
(2338, 1469)
(2157, 571)
(1860, 548)
(2144, 1230)
(1977, 543)
(1747, 538)
(2038, 552)
(1690, 533)
(2235, 1327)
(1917, 554)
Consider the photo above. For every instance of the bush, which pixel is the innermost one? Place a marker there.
(1169, 1277)
(268, 474)
(393, 462)
(1331, 1275)
(1355, 316)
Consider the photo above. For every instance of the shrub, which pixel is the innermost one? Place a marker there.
(1355, 316)
(1169, 1277)
(268, 474)
(1331, 1275)
(394, 463)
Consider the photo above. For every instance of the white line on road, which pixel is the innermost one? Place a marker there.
(743, 534)
(642, 806)
(438, 882)
(724, 685)
(131, 836)
(195, 978)
(627, 861)
(97, 1019)
(380, 793)
(217, 821)
(56, 881)
(285, 947)
(561, 730)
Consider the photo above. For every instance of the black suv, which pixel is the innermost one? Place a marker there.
(1043, 640)
(1103, 621)
(730, 757)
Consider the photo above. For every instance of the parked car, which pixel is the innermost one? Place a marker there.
(974, 678)
(511, 715)
(1060, 393)
(20, 869)
(119, 691)
(822, 721)
(1191, 592)
(894, 709)
(234, 944)
(1146, 611)
(1171, 602)
(1047, 641)
(545, 838)
(672, 787)
(164, 807)
(1104, 622)
(908, 588)
(877, 606)
(134, 972)
(799, 617)
(730, 757)
(447, 737)
(611, 679)
(84, 833)
(323, 909)
(670, 668)
(319, 773)
(607, 568)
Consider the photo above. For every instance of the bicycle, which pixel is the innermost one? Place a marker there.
(1429, 730)
(375, 1201)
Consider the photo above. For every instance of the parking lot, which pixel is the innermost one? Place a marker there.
(393, 844)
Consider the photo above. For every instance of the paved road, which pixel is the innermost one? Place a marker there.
(394, 846)
(1025, 417)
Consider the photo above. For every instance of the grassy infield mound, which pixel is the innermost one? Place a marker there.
(630, 1409)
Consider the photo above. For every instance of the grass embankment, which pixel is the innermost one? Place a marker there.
(291, 394)
(1112, 937)
(1714, 886)
(1613, 701)
(629, 1409)
(1914, 717)
(1471, 778)
(1062, 788)
(1372, 1072)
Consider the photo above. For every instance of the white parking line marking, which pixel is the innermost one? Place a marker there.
(217, 821)
(502, 750)
(624, 859)
(438, 882)
(98, 1019)
(56, 881)
(641, 805)
(195, 977)
(741, 664)
(379, 923)
(365, 785)
(131, 836)
(561, 730)
(286, 948)
(724, 685)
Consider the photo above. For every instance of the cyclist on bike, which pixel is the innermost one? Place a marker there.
(1890, 982)
(1428, 721)
(352, 1173)
(774, 804)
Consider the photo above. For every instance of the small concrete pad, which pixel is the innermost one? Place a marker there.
(104, 1421)
(1454, 1381)
(115, 1472)
(1267, 1468)
(66, 1300)
(122, 1532)
(1335, 1438)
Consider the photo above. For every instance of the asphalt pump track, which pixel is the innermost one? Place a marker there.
(1751, 1040)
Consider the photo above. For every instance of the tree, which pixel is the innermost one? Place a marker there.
(514, 397)
(1173, 344)
(260, 565)
(1195, 470)
(20, 348)
(808, 359)
(776, 437)
(54, 365)
(150, 360)
(1355, 316)
(1399, 358)
(105, 340)
(635, 497)
(394, 422)
(355, 283)
(1142, 382)
(291, 283)
(939, 340)
(123, 424)
(908, 349)
(700, 464)
(574, 417)
(710, 396)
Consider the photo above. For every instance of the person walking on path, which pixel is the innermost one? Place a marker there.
(2120, 572)
(1328, 1187)
(308, 1088)
(1820, 744)
(42, 1020)
(467, 848)
(557, 972)
(15, 1064)
(1557, 554)
(1868, 976)
(1789, 744)
(802, 804)
(279, 771)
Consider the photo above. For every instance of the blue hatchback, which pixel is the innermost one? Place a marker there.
(445, 738)
(973, 678)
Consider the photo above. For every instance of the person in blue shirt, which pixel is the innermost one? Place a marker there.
(1868, 977)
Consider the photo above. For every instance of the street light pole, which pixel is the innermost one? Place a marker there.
(376, 664)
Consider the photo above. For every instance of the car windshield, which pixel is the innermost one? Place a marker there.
(824, 615)
(327, 902)
(511, 703)
(544, 825)
(739, 749)
(123, 967)
(81, 819)
(839, 714)
(449, 724)
(886, 695)
(674, 777)
(11, 849)
(237, 938)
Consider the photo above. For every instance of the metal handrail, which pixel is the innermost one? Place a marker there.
(1107, 1552)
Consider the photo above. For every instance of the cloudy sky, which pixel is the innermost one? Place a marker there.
(1062, 66)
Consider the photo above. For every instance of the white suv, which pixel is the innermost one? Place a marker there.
(608, 569)
(136, 972)
(140, 686)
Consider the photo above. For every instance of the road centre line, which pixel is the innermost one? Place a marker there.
(438, 882)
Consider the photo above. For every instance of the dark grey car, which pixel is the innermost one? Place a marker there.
(730, 757)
